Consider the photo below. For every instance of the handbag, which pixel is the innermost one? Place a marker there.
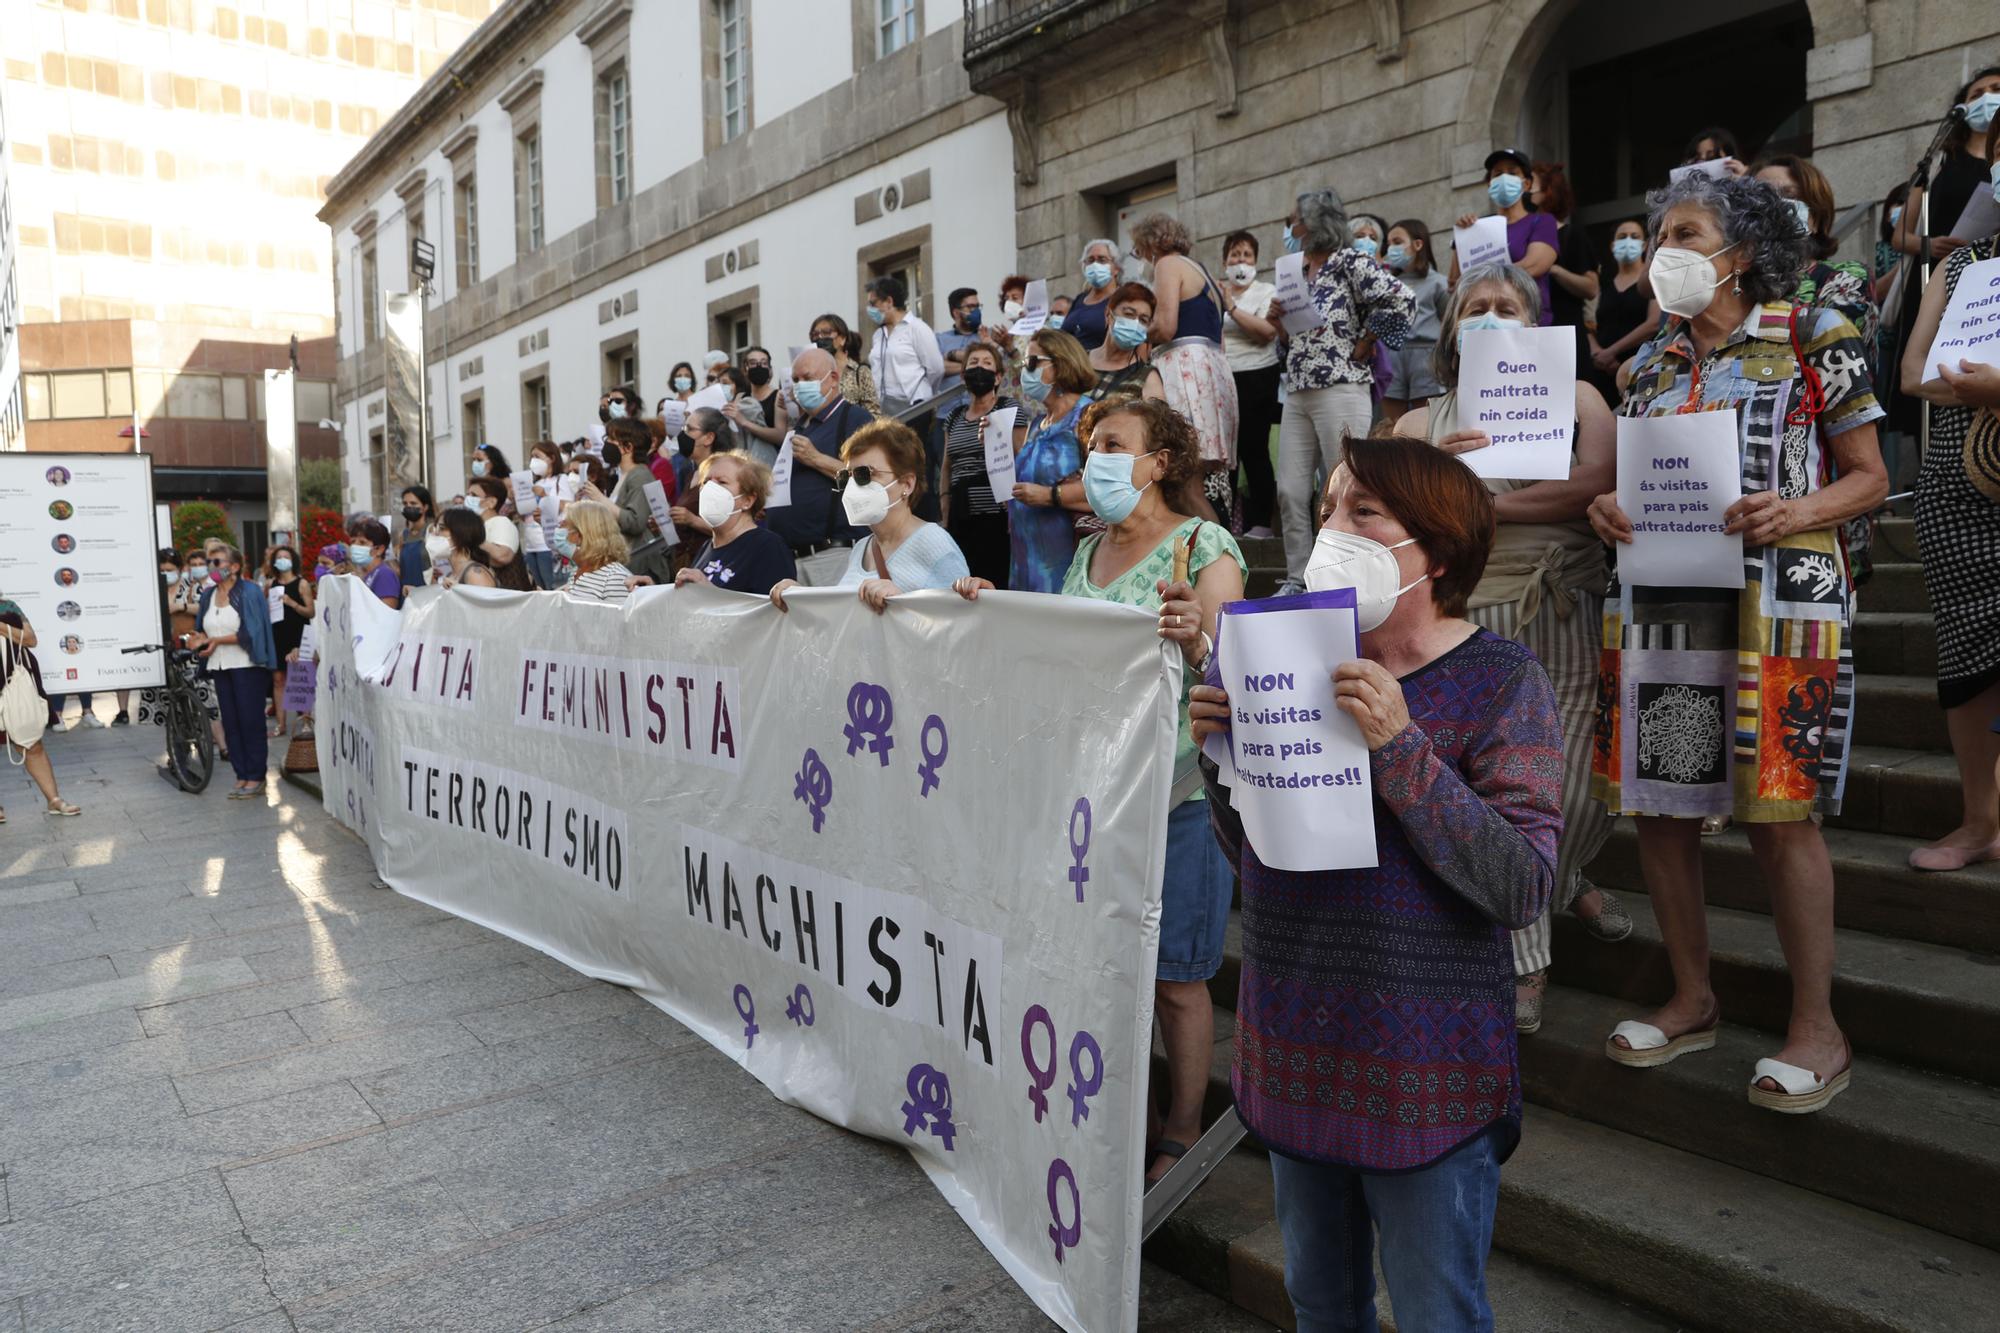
(24, 714)
(1982, 453)
(302, 755)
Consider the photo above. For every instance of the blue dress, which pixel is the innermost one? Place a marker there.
(1043, 539)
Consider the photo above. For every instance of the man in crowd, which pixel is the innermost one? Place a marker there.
(814, 524)
(966, 318)
(908, 362)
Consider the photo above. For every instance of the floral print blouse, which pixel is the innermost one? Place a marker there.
(1357, 296)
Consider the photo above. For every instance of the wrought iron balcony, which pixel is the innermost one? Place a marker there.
(993, 24)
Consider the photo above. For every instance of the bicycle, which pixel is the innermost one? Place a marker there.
(190, 743)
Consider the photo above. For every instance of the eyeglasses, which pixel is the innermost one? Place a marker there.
(1036, 362)
(863, 475)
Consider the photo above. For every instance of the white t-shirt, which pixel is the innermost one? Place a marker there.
(220, 622)
(1245, 353)
(500, 531)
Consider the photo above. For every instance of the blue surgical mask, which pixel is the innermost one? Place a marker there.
(1127, 333)
(478, 467)
(1505, 191)
(1484, 321)
(562, 545)
(1107, 485)
(1097, 274)
(1994, 172)
(1367, 245)
(1803, 212)
(1628, 249)
(1055, 322)
(682, 383)
(1292, 243)
(875, 315)
(973, 316)
(811, 397)
(1979, 112)
(1398, 257)
(1034, 385)
(282, 565)
(617, 409)
(1895, 215)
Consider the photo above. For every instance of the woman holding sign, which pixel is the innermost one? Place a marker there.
(1543, 588)
(972, 514)
(1532, 237)
(1958, 531)
(1375, 1046)
(1048, 494)
(1734, 699)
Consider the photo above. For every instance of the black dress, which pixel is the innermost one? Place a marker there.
(285, 634)
(1958, 175)
(1618, 313)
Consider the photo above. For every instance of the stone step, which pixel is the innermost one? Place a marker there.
(1896, 540)
(1893, 643)
(1910, 793)
(1263, 552)
(1876, 891)
(1924, 1005)
(1894, 588)
(1720, 1247)
(1917, 1146)
(1225, 1238)
(1899, 711)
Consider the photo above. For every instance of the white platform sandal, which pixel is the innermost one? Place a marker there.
(1647, 1047)
(1803, 1091)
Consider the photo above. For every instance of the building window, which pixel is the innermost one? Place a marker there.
(465, 230)
(735, 68)
(378, 467)
(535, 422)
(621, 364)
(371, 298)
(414, 217)
(895, 25)
(472, 420)
(618, 95)
(528, 188)
(733, 331)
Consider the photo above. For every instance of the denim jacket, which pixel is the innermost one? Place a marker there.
(254, 613)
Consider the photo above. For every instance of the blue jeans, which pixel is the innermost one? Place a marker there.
(240, 694)
(1436, 1226)
(542, 569)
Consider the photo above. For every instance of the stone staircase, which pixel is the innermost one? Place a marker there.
(1660, 1199)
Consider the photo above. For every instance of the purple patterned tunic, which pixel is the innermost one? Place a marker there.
(1375, 1018)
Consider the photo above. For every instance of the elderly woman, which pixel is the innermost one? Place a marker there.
(1376, 1121)
(1088, 320)
(590, 540)
(234, 640)
(1186, 336)
(741, 555)
(1121, 360)
(1958, 531)
(1748, 693)
(1141, 455)
(1543, 588)
(1328, 368)
(1048, 481)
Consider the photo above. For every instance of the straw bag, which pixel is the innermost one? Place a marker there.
(302, 756)
(1982, 453)
(24, 714)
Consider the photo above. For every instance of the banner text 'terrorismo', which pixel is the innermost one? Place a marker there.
(527, 815)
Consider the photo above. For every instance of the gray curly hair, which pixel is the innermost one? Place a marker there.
(1324, 217)
(1444, 357)
(1753, 216)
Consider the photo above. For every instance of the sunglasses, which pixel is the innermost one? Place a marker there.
(862, 475)
(1036, 362)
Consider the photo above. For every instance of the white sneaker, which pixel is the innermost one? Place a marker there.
(92, 720)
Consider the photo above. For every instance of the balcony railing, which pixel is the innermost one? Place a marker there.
(992, 24)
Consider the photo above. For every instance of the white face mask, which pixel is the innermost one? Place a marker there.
(866, 505)
(1683, 283)
(1240, 274)
(1011, 310)
(437, 546)
(1348, 560)
(539, 466)
(716, 504)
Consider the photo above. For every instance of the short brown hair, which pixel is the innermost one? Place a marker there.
(1163, 234)
(987, 350)
(1559, 200)
(1071, 364)
(1166, 430)
(1815, 190)
(1133, 291)
(903, 445)
(492, 488)
(1438, 500)
(631, 435)
(754, 477)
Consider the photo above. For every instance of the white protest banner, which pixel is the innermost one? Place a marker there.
(674, 416)
(663, 514)
(998, 438)
(77, 556)
(1677, 475)
(1519, 386)
(1484, 242)
(1297, 311)
(781, 829)
(1034, 309)
(1717, 167)
(781, 477)
(1969, 329)
(1301, 779)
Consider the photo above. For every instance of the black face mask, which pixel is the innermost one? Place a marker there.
(980, 380)
(824, 345)
(759, 375)
(613, 455)
(411, 513)
(685, 443)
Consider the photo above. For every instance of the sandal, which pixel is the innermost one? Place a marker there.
(1648, 1048)
(1528, 1013)
(62, 808)
(1173, 1148)
(1612, 922)
(1803, 1091)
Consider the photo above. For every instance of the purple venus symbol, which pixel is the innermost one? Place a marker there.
(1064, 1235)
(800, 1007)
(746, 1009)
(814, 786)
(1079, 874)
(869, 715)
(1044, 1077)
(930, 1099)
(933, 759)
(1083, 1089)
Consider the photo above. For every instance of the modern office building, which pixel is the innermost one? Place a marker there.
(165, 160)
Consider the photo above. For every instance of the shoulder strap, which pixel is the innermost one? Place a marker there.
(1812, 401)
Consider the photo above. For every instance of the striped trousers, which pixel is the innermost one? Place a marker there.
(1567, 647)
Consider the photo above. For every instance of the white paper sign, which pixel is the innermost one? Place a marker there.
(998, 437)
(656, 500)
(309, 641)
(1676, 477)
(674, 416)
(1969, 329)
(1298, 312)
(781, 477)
(1484, 242)
(716, 395)
(275, 598)
(1519, 386)
(1034, 309)
(163, 526)
(1302, 779)
(524, 491)
(1716, 167)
